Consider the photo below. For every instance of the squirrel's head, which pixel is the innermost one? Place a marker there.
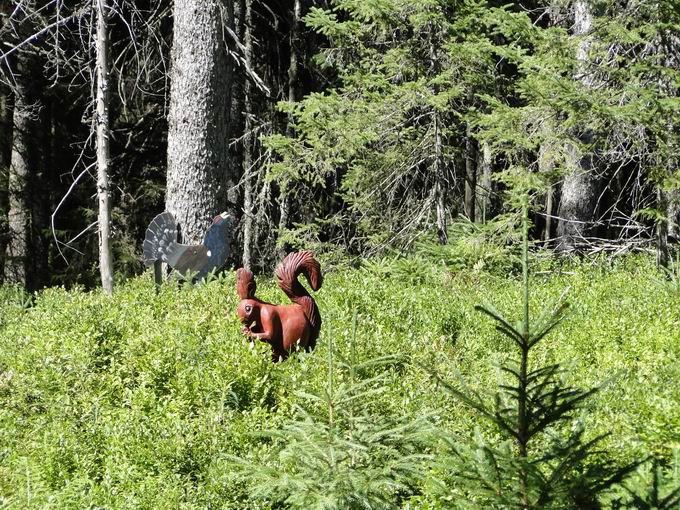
(248, 311)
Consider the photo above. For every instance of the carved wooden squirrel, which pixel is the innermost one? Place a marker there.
(282, 326)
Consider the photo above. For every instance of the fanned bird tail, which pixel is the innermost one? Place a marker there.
(287, 273)
(160, 238)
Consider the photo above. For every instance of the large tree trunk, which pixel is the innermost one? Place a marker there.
(6, 121)
(103, 192)
(198, 175)
(578, 202)
(24, 165)
(581, 187)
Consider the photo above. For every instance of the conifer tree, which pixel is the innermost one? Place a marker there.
(545, 458)
(336, 452)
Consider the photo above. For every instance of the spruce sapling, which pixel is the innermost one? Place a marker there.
(540, 461)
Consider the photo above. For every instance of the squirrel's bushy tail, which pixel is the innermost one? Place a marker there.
(287, 274)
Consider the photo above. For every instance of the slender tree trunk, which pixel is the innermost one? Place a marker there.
(662, 253)
(580, 188)
(485, 205)
(668, 230)
(284, 199)
(248, 141)
(546, 164)
(198, 174)
(438, 163)
(440, 183)
(103, 155)
(294, 58)
(6, 130)
(40, 203)
(470, 174)
(673, 214)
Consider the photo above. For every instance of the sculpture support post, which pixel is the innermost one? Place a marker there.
(158, 274)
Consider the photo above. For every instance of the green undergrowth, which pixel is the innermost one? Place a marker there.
(143, 400)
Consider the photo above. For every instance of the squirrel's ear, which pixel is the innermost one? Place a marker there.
(245, 284)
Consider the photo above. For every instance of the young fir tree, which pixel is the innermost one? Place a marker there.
(653, 487)
(338, 452)
(544, 458)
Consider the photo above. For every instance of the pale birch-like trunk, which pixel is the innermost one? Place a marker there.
(103, 154)
(199, 174)
(248, 141)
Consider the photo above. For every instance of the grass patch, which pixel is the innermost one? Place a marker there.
(139, 401)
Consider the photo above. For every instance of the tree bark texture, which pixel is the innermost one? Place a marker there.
(24, 165)
(293, 85)
(470, 174)
(103, 153)
(440, 183)
(578, 201)
(546, 164)
(662, 252)
(581, 186)
(198, 174)
(248, 142)
(485, 192)
(673, 214)
(6, 129)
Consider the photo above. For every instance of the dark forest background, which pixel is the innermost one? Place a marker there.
(358, 125)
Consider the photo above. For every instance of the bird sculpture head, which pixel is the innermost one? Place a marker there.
(221, 218)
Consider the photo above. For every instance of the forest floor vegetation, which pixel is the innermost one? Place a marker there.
(144, 400)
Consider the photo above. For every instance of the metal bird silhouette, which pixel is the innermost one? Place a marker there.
(160, 245)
